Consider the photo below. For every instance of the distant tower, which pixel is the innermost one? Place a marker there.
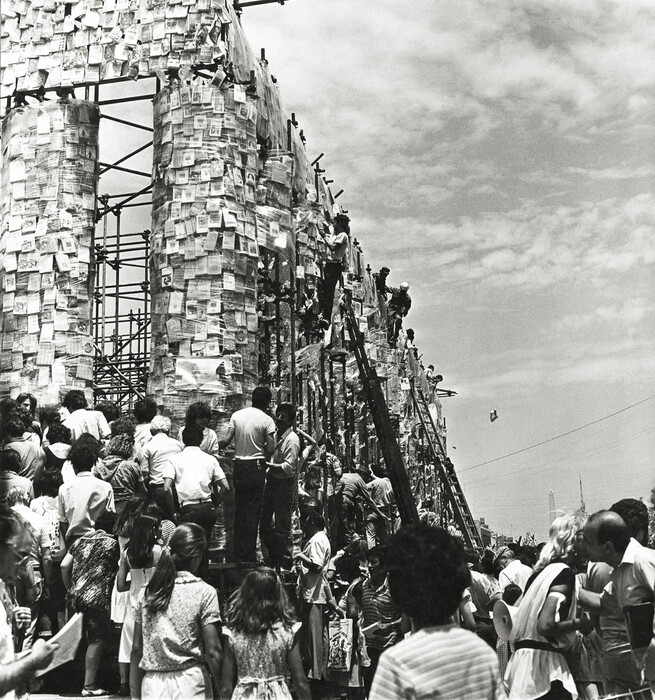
(583, 509)
(551, 507)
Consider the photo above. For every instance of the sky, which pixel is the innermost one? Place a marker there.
(500, 157)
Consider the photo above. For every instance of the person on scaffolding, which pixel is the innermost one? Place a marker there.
(337, 244)
(398, 307)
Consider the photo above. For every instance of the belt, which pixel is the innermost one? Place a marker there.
(534, 644)
(195, 502)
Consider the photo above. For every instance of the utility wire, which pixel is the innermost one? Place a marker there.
(557, 437)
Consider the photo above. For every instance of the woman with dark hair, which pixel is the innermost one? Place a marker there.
(175, 631)
(27, 402)
(144, 411)
(200, 414)
(261, 642)
(88, 571)
(138, 561)
(58, 446)
(49, 415)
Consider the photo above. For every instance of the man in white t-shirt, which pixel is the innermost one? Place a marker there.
(199, 482)
(253, 432)
(512, 569)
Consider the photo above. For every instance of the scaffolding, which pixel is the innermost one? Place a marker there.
(121, 311)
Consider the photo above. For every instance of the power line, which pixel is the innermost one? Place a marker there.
(566, 460)
(557, 437)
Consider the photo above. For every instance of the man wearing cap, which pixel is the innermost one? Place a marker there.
(156, 453)
(398, 307)
(512, 569)
(337, 244)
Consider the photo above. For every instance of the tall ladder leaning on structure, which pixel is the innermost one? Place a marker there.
(452, 489)
(377, 405)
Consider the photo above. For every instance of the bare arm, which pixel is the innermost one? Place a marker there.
(228, 437)
(15, 673)
(136, 673)
(67, 570)
(228, 673)
(466, 616)
(589, 599)
(121, 578)
(213, 651)
(168, 494)
(548, 627)
(298, 677)
(269, 449)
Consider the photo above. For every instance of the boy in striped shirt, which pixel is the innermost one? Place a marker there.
(428, 573)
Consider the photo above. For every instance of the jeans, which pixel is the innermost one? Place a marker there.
(276, 535)
(249, 479)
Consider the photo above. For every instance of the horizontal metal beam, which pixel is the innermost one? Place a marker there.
(128, 156)
(125, 121)
(131, 171)
(120, 100)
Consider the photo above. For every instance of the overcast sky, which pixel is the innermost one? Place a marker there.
(500, 156)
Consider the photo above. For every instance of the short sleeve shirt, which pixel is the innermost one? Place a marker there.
(313, 583)
(251, 428)
(193, 472)
(82, 501)
(172, 639)
(157, 452)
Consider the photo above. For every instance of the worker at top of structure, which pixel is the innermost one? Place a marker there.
(337, 243)
(398, 307)
(381, 282)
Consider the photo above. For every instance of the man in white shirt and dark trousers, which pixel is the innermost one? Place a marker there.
(253, 432)
(199, 482)
(281, 485)
(157, 453)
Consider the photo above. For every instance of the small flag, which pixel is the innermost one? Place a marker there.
(493, 415)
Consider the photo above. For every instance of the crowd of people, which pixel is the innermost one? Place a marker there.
(111, 516)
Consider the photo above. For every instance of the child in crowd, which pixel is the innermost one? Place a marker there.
(428, 573)
(139, 561)
(262, 642)
(175, 634)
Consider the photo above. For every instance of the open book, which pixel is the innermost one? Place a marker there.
(68, 638)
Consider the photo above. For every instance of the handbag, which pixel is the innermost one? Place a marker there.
(340, 646)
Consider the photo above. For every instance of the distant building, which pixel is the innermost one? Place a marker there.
(485, 531)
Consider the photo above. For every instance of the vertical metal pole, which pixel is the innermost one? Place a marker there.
(278, 323)
(333, 427)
